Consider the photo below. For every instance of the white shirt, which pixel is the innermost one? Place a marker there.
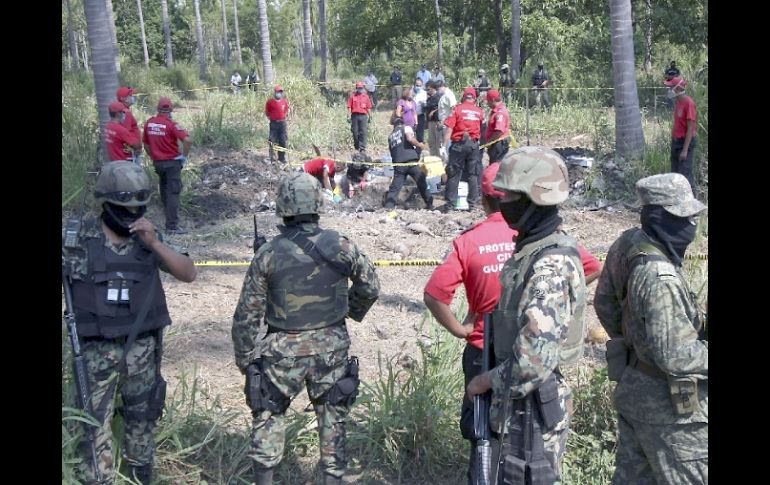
(420, 100)
(235, 79)
(369, 82)
(445, 104)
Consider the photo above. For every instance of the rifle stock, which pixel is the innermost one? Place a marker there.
(481, 404)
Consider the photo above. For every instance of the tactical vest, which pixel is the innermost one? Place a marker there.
(519, 269)
(302, 293)
(400, 148)
(108, 299)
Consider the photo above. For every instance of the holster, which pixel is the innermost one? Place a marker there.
(617, 358)
(157, 400)
(261, 393)
(547, 399)
(684, 394)
(345, 390)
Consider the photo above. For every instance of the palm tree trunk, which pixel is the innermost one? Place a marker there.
(648, 39)
(629, 137)
(224, 29)
(307, 40)
(73, 45)
(515, 39)
(264, 41)
(199, 36)
(167, 33)
(144, 37)
(103, 60)
(502, 52)
(111, 19)
(440, 47)
(322, 24)
(238, 54)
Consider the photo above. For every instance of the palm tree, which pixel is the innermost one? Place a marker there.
(239, 56)
(102, 60)
(264, 41)
(629, 137)
(199, 36)
(167, 33)
(515, 39)
(324, 45)
(502, 52)
(307, 39)
(111, 19)
(440, 48)
(224, 28)
(73, 45)
(144, 37)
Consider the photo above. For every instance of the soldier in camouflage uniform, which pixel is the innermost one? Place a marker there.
(298, 282)
(538, 323)
(655, 352)
(114, 272)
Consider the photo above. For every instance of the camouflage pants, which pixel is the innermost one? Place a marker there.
(661, 453)
(318, 373)
(102, 358)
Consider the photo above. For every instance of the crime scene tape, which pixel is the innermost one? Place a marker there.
(406, 262)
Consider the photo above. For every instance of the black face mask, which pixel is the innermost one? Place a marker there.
(513, 212)
(531, 221)
(118, 218)
(674, 232)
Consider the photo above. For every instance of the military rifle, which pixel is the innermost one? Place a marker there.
(258, 240)
(481, 414)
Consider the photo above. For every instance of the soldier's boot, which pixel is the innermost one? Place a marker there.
(330, 480)
(141, 474)
(263, 476)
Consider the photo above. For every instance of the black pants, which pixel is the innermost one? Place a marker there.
(278, 135)
(498, 150)
(170, 173)
(683, 166)
(399, 177)
(359, 126)
(464, 159)
(373, 97)
(421, 124)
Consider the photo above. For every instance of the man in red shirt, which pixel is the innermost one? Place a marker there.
(125, 95)
(118, 139)
(161, 137)
(276, 110)
(464, 156)
(476, 260)
(359, 105)
(498, 126)
(683, 141)
(323, 169)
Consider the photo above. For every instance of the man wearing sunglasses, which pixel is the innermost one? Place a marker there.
(656, 355)
(161, 140)
(120, 308)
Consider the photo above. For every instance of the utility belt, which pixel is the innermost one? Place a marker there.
(118, 340)
(645, 368)
(273, 329)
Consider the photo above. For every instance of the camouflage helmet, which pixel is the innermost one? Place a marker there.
(123, 183)
(538, 172)
(299, 193)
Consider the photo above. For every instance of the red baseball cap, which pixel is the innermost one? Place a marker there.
(124, 92)
(493, 95)
(116, 107)
(165, 103)
(486, 181)
(277, 88)
(359, 84)
(676, 81)
(469, 91)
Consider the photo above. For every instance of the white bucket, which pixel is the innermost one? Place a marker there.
(434, 184)
(462, 197)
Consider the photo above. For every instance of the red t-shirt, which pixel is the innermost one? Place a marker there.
(316, 166)
(277, 109)
(359, 103)
(499, 120)
(476, 260)
(162, 134)
(465, 116)
(683, 111)
(116, 137)
(130, 124)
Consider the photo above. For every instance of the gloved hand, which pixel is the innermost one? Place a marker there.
(442, 151)
(363, 184)
(182, 159)
(349, 120)
(337, 198)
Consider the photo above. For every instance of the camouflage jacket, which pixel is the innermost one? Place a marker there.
(539, 319)
(659, 320)
(252, 305)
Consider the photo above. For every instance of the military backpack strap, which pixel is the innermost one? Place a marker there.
(319, 256)
(138, 322)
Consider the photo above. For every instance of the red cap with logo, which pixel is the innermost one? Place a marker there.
(359, 84)
(116, 107)
(277, 88)
(469, 91)
(493, 95)
(486, 181)
(676, 81)
(165, 103)
(124, 92)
